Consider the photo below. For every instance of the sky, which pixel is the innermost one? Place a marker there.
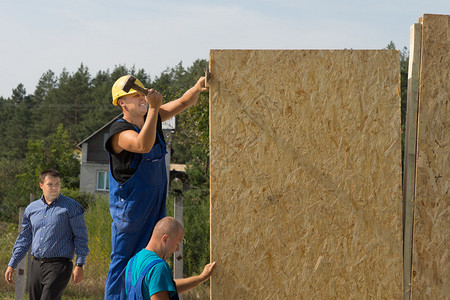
(37, 36)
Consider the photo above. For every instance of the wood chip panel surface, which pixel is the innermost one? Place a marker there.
(305, 174)
(431, 263)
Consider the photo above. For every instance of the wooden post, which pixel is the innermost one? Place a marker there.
(409, 164)
(178, 255)
(21, 267)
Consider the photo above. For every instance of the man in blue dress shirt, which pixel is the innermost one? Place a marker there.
(55, 229)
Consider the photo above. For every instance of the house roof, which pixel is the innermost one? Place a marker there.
(167, 125)
(106, 125)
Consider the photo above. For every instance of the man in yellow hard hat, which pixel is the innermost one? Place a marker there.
(137, 173)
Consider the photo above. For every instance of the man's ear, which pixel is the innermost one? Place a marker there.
(164, 238)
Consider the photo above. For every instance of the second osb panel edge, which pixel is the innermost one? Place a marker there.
(431, 259)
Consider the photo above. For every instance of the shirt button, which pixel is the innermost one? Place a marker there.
(121, 199)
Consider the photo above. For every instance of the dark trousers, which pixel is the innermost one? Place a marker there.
(49, 279)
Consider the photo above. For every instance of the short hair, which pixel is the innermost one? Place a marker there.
(169, 226)
(48, 172)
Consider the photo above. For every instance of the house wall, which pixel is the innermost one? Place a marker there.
(97, 152)
(88, 176)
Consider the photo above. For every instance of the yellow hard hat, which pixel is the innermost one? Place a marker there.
(117, 91)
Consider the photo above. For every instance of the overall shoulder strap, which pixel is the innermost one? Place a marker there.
(136, 290)
(134, 126)
(129, 282)
(148, 267)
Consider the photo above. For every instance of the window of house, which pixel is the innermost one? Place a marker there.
(102, 181)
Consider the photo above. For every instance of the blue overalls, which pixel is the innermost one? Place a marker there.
(135, 206)
(135, 291)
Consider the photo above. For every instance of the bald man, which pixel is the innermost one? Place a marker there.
(149, 276)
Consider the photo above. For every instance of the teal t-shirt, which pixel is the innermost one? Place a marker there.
(159, 277)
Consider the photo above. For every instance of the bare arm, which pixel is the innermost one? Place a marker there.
(164, 295)
(143, 141)
(188, 99)
(185, 284)
(132, 141)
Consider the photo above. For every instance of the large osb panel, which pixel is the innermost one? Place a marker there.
(431, 262)
(305, 174)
